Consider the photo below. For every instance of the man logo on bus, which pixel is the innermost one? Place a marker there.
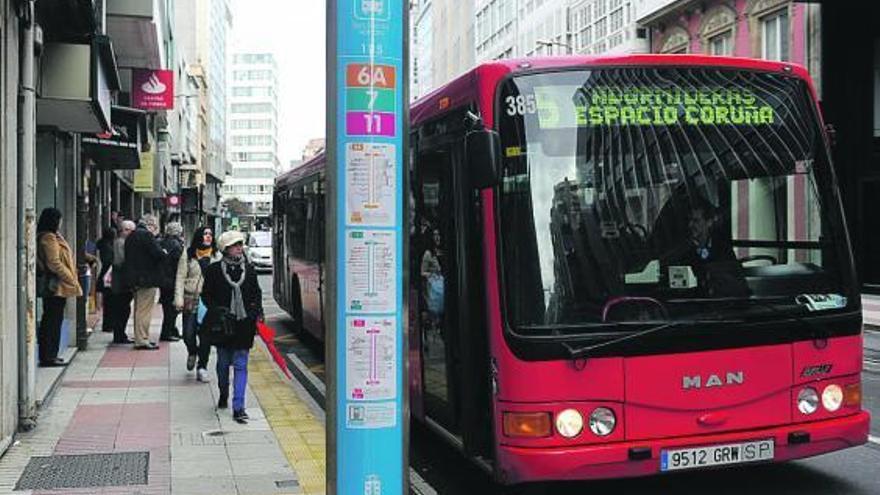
(697, 382)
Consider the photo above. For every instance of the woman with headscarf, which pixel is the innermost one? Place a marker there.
(201, 253)
(235, 303)
(57, 281)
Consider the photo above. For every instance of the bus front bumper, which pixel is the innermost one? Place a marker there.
(522, 465)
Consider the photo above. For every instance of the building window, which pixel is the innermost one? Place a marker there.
(717, 31)
(252, 108)
(774, 36)
(721, 44)
(616, 20)
(676, 41)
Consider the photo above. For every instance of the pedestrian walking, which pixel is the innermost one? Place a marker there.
(56, 281)
(102, 291)
(120, 296)
(235, 303)
(173, 246)
(143, 257)
(190, 280)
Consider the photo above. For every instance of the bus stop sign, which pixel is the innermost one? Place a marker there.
(367, 122)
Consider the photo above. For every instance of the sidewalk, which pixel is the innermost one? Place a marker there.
(136, 422)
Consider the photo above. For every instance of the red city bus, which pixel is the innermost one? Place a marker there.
(620, 266)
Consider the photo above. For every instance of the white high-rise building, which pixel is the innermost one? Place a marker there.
(253, 132)
(521, 28)
(534, 28)
(606, 26)
(421, 47)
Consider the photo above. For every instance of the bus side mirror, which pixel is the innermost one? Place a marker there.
(483, 152)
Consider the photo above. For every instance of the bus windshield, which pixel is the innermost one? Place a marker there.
(664, 194)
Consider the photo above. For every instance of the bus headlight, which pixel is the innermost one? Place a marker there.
(808, 400)
(832, 397)
(602, 421)
(569, 423)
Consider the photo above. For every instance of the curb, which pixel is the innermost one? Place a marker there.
(68, 356)
(313, 385)
(318, 392)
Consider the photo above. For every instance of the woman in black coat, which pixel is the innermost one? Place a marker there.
(232, 291)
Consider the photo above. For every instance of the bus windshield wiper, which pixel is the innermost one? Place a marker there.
(579, 330)
(584, 352)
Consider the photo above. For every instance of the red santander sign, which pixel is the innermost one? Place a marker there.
(152, 89)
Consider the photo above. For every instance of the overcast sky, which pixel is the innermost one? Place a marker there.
(294, 31)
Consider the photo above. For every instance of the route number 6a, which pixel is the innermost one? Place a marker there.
(521, 105)
(376, 77)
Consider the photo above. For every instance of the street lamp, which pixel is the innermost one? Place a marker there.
(549, 43)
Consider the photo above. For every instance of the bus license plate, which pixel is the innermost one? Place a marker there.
(716, 455)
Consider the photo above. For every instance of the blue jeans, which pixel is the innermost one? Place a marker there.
(238, 359)
(196, 345)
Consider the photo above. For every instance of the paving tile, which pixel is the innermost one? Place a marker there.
(115, 400)
(267, 484)
(215, 485)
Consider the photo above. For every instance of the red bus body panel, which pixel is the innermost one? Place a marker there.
(524, 464)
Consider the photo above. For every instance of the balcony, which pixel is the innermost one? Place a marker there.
(137, 28)
(75, 85)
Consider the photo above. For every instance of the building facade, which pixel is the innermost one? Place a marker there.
(421, 47)
(13, 331)
(451, 42)
(253, 135)
(202, 29)
(71, 138)
(214, 52)
(606, 26)
(768, 29)
(496, 29)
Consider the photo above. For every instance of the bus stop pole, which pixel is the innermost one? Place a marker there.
(365, 283)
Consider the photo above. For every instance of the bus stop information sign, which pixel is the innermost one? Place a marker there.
(367, 122)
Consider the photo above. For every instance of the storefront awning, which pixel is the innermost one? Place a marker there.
(121, 149)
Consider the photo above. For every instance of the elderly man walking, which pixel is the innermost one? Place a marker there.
(119, 297)
(173, 245)
(143, 259)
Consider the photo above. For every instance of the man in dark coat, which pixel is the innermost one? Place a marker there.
(232, 291)
(710, 255)
(143, 256)
(173, 245)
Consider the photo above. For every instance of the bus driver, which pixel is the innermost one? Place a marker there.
(709, 254)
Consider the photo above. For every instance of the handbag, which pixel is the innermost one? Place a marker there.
(47, 283)
(435, 295)
(219, 326)
(201, 311)
(47, 280)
